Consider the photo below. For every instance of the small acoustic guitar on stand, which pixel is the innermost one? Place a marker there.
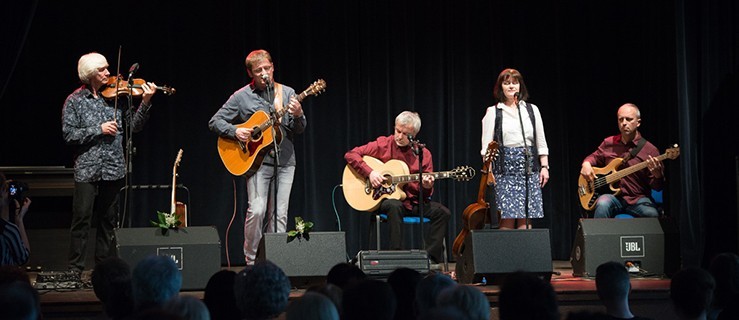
(178, 208)
(476, 215)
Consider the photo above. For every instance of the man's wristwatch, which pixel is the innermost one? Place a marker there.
(545, 167)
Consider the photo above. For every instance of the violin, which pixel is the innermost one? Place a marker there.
(477, 214)
(124, 89)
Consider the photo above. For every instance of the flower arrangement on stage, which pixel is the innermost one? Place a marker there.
(302, 229)
(167, 221)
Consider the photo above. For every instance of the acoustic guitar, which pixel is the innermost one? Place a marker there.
(241, 157)
(589, 191)
(477, 214)
(178, 208)
(361, 196)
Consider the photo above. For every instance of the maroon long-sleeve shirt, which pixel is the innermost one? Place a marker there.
(638, 184)
(385, 149)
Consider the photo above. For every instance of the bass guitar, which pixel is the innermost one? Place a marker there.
(477, 214)
(241, 157)
(178, 208)
(361, 196)
(588, 191)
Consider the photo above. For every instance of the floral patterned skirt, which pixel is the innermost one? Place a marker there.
(510, 190)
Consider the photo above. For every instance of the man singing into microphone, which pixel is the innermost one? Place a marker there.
(519, 130)
(398, 146)
(263, 93)
(94, 127)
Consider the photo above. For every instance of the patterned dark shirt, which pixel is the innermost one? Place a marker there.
(96, 156)
(14, 253)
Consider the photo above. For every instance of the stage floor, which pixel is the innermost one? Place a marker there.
(649, 296)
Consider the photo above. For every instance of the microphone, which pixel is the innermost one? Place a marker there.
(132, 70)
(410, 137)
(518, 95)
(265, 77)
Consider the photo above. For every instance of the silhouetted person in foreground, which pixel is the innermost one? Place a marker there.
(261, 291)
(614, 284)
(725, 270)
(219, 296)
(111, 282)
(155, 280)
(370, 300)
(691, 291)
(525, 296)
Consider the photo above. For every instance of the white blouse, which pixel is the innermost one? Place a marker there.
(512, 136)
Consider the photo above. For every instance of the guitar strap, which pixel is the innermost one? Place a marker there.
(278, 99)
(635, 150)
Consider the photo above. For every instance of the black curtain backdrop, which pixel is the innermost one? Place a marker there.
(580, 61)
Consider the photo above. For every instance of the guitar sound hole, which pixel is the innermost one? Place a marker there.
(256, 134)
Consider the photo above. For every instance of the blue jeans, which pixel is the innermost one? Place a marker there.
(609, 206)
(260, 189)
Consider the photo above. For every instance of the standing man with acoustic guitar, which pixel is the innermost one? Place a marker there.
(263, 94)
(398, 146)
(634, 149)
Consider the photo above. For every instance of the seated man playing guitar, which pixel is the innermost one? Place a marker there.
(633, 198)
(398, 146)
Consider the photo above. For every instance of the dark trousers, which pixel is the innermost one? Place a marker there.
(434, 239)
(93, 202)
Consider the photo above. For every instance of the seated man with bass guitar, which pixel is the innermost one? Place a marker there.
(398, 147)
(640, 171)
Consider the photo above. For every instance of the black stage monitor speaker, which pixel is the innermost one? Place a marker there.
(492, 254)
(379, 264)
(306, 262)
(196, 250)
(638, 242)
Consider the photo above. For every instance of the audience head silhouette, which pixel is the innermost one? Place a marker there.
(331, 291)
(187, 307)
(261, 291)
(470, 300)
(525, 296)
(691, 291)
(219, 296)
(369, 299)
(725, 270)
(19, 300)
(345, 274)
(612, 281)
(156, 279)
(111, 282)
(429, 289)
(404, 282)
(312, 306)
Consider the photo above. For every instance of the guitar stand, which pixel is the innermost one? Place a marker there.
(151, 187)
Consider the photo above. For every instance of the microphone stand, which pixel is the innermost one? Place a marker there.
(130, 150)
(527, 157)
(417, 148)
(276, 150)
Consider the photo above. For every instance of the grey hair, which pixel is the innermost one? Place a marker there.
(409, 118)
(89, 64)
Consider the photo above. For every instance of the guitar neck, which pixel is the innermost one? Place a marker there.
(625, 172)
(174, 202)
(299, 97)
(416, 176)
(282, 112)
